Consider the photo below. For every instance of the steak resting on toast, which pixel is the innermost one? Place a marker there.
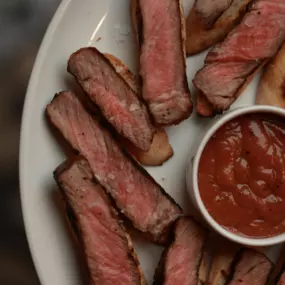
(209, 21)
(107, 247)
(160, 28)
(160, 149)
(231, 64)
(118, 102)
(250, 268)
(181, 261)
(134, 191)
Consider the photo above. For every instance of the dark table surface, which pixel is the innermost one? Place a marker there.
(22, 26)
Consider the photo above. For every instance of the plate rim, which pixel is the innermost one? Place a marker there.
(30, 94)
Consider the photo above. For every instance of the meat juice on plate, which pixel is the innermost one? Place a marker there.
(242, 174)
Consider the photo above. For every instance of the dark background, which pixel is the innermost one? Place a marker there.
(22, 27)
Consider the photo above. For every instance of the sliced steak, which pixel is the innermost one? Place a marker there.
(161, 29)
(108, 249)
(230, 65)
(180, 262)
(250, 268)
(135, 192)
(218, 81)
(118, 102)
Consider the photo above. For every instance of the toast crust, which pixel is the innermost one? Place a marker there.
(272, 83)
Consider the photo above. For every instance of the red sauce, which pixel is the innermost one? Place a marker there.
(242, 175)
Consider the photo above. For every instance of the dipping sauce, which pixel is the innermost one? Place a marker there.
(242, 175)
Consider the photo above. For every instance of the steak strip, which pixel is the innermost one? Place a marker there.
(250, 267)
(161, 33)
(135, 192)
(102, 235)
(231, 64)
(118, 102)
(180, 262)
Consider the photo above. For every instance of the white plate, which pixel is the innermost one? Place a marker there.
(106, 25)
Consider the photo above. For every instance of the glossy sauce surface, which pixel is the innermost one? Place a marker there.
(242, 175)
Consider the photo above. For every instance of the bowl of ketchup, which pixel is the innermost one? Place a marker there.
(237, 176)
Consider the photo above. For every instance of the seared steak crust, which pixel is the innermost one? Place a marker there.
(102, 235)
(135, 192)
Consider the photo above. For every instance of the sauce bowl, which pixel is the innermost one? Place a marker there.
(193, 167)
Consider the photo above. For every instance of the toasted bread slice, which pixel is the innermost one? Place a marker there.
(223, 256)
(203, 270)
(160, 149)
(272, 82)
(159, 152)
(204, 29)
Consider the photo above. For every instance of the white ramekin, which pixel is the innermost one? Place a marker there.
(192, 174)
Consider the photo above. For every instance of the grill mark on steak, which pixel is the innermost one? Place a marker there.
(101, 233)
(250, 267)
(161, 34)
(135, 192)
(118, 102)
(245, 49)
(180, 262)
